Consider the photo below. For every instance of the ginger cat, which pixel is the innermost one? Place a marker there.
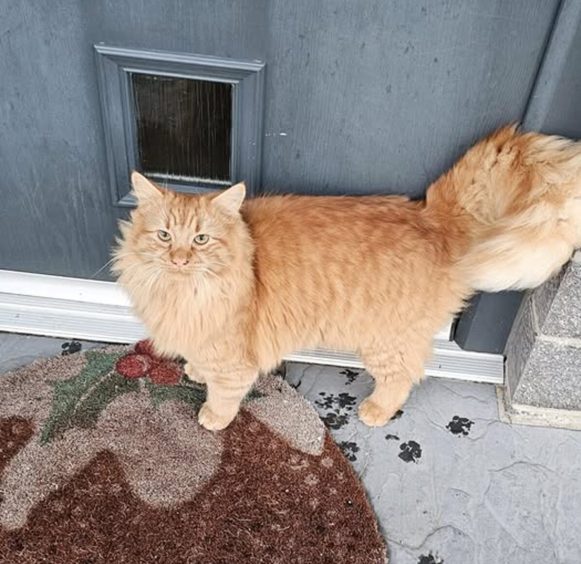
(233, 285)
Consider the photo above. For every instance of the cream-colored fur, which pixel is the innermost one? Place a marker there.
(374, 274)
(525, 191)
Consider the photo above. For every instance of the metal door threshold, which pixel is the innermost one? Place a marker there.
(56, 306)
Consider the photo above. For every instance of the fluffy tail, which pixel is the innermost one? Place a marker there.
(522, 195)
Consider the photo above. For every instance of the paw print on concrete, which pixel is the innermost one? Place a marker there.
(339, 408)
(430, 559)
(410, 451)
(349, 449)
(350, 375)
(460, 425)
(70, 347)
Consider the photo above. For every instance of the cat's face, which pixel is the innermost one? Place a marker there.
(181, 235)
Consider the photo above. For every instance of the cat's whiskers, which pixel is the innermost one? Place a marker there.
(142, 273)
(205, 271)
(116, 257)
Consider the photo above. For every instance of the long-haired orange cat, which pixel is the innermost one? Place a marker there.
(233, 286)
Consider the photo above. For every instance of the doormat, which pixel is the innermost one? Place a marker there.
(102, 460)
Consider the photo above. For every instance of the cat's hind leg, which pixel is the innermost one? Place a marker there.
(395, 369)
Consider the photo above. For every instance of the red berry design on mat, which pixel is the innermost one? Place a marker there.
(145, 347)
(145, 362)
(133, 365)
(166, 374)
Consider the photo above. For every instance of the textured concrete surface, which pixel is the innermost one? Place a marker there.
(564, 316)
(552, 377)
(18, 350)
(520, 345)
(450, 482)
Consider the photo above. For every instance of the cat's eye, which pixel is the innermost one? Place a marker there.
(163, 235)
(201, 239)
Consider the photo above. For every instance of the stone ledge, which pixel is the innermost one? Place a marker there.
(518, 414)
(543, 354)
(551, 377)
(563, 317)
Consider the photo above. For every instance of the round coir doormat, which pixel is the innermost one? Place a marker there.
(102, 460)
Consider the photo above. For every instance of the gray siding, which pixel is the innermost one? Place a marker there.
(563, 115)
(375, 96)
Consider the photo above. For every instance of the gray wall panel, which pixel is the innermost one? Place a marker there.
(376, 96)
(383, 96)
(564, 110)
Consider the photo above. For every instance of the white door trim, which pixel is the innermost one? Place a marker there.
(93, 310)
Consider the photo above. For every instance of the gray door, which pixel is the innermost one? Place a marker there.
(358, 97)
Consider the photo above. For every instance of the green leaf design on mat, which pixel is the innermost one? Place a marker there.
(78, 401)
(192, 394)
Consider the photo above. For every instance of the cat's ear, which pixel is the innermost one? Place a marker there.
(230, 200)
(145, 190)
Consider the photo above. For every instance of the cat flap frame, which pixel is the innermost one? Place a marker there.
(115, 66)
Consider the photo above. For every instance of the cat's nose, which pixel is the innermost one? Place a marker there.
(180, 261)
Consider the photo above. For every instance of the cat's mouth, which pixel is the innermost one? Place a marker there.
(185, 271)
(180, 270)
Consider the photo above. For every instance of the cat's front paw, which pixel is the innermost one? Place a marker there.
(213, 421)
(373, 414)
(193, 374)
